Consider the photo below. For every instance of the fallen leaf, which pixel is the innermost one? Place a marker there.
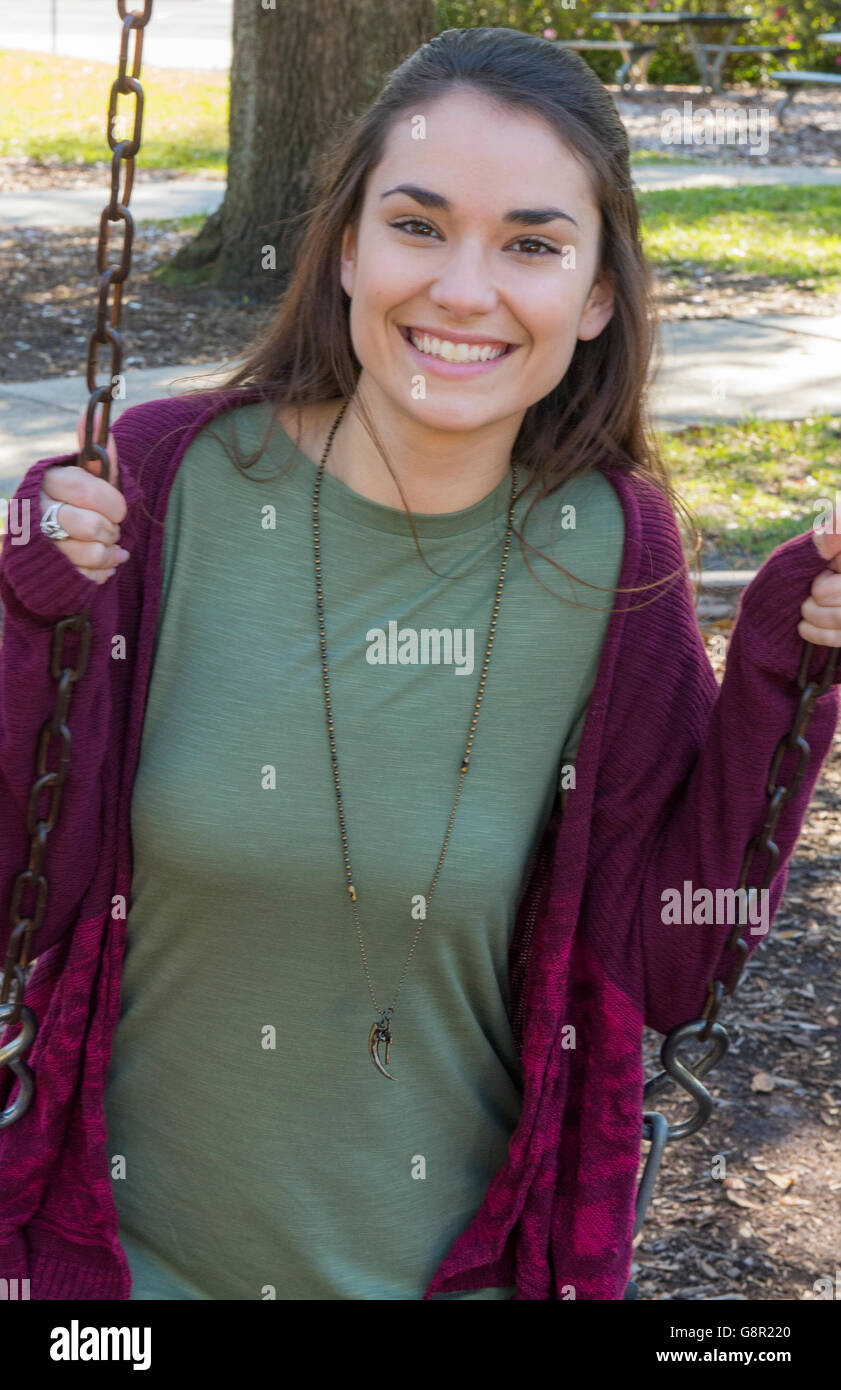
(762, 1081)
(783, 1180)
(739, 1201)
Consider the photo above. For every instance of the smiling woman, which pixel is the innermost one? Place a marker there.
(484, 199)
(367, 870)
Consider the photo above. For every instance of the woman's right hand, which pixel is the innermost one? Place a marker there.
(91, 512)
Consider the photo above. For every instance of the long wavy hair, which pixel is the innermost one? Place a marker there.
(596, 415)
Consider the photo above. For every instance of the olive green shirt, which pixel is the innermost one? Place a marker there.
(256, 1152)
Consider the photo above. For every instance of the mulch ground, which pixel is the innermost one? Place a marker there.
(811, 134)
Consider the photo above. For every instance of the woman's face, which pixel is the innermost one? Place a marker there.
(496, 244)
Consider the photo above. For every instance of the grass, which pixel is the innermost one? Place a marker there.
(189, 222)
(752, 485)
(790, 233)
(56, 106)
(660, 157)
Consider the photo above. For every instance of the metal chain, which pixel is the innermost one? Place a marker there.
(25, 921)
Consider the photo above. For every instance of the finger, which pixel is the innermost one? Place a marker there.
(827, 537)
(91, 555)
(826, 588)
(820, 636)
(98, 576)
(821, 615)
(70, 483)
(82, 524)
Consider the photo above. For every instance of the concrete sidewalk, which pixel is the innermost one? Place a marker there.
(156, 200)
(713, 370)
(738, 174)
(81, 207)
(178, 37)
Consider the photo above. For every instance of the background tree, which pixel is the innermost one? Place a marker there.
(301, 69)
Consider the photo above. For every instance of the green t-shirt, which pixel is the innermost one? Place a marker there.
(261, 1153)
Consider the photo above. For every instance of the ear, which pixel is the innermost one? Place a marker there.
(348, 271)
(598, 311)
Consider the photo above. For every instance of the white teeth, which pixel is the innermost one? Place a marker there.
(455, 352)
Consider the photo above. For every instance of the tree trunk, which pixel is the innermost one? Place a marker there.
(300, 72)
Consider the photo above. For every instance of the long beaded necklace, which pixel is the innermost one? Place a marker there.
(380, 1030)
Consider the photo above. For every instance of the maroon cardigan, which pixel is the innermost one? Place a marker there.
(671, 774)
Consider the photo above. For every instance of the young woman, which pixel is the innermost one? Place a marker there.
(381, 769)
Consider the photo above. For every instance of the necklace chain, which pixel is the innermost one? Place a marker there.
(382, 1029)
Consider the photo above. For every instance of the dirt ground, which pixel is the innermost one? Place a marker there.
(772, 1226)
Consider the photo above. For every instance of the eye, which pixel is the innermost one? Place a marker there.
(535, 241)
(405, 224)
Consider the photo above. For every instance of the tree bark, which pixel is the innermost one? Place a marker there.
(300, 71)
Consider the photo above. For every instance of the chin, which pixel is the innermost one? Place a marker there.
(459, 415)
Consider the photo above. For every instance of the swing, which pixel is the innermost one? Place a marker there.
(25, 923)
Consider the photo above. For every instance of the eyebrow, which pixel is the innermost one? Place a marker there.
(526, 217)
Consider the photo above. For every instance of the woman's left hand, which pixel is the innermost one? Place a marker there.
(821, 620)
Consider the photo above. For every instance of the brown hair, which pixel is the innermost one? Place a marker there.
(597, 414)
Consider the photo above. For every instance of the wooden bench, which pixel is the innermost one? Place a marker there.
(632, 51)
(734, 48)
(794, 79)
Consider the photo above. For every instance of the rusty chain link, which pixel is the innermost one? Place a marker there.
(25, 922)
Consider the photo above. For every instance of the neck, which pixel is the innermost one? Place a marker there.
(439, 470)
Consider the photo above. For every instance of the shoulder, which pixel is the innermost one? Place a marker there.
(152, 436)
(160, 424)
(593, 495)
(625, 515)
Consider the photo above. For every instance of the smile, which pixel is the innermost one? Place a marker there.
(452, 351)
(453, 357)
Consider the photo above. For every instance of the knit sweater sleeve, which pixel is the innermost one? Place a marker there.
(38, 586)
(682, 773)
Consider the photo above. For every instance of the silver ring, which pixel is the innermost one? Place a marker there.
(51, 526)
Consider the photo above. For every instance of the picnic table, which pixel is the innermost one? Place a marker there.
(694, 26)
(793, 79)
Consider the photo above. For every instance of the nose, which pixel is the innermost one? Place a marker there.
(464, 286)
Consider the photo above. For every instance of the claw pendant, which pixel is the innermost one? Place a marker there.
(381, 1032)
